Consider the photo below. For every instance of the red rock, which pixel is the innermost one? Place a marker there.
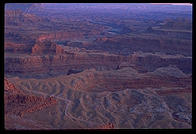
(19, 103)
(107, 126)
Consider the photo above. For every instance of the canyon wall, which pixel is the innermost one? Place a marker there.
(51, 58)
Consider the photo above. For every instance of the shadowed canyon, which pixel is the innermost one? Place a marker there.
(97, 66)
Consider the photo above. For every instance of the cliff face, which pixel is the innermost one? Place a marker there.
(59, 63)
(48, 57)
(45, 47)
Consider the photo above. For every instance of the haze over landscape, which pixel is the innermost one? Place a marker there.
(97, 66)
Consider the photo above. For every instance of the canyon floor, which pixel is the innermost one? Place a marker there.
(93, 68)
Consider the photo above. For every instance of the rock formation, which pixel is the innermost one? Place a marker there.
(49, 57)
(19, 103)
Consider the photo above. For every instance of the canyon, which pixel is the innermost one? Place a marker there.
(80, 66)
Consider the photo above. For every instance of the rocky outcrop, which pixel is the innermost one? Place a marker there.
(50, 58)
(9, 87)
(18, 103)
(45, 47)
